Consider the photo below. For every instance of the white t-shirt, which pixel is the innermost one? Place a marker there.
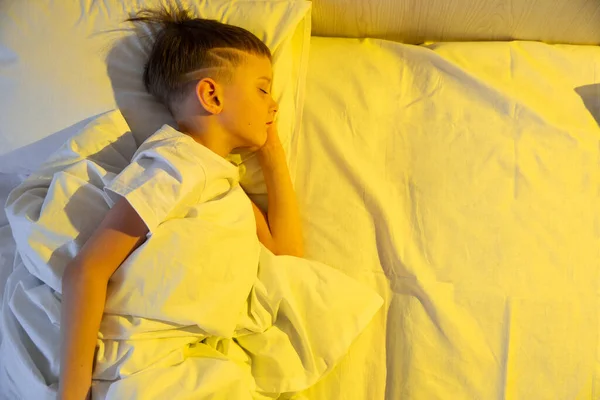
(202, 250)
(171, 173)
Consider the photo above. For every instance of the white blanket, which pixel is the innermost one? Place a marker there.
(291, 327)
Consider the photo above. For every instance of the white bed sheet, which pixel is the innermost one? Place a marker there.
(444, 181)
(7, 243)
(281, 316)
(7, 256)
(7, 183)
(461, 182)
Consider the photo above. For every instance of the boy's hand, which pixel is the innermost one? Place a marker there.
(283, 216)
(273, 140)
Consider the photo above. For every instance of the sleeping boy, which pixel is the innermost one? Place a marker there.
(216, 80)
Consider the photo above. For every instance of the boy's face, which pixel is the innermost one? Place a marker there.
(247, 102)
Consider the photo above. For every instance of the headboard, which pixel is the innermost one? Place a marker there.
(418, 21)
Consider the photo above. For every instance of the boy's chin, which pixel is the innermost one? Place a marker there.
(252, 144)
(246, 149)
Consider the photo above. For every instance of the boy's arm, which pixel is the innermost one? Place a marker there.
(284, 223)
(262, 229)
(84, 293)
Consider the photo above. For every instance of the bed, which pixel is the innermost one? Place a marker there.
(451, 164)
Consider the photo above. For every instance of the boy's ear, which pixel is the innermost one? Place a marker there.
(207, 94)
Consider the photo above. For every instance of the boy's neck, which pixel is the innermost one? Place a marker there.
(215, 144)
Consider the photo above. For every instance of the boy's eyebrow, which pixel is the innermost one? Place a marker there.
(266, 78)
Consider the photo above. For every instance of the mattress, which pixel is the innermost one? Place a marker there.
(459, 180)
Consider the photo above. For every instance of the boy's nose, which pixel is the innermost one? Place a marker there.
(274, 105)
(273, 112)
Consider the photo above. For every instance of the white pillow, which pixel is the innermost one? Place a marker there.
(64, 62)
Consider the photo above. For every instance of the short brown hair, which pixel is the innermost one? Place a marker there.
(185, 44)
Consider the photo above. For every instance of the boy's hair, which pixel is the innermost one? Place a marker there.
(185, 44)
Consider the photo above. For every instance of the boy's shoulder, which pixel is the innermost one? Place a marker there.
(165, 133)
(178, 149)
(167, 140)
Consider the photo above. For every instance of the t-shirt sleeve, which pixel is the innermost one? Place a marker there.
(163, 174)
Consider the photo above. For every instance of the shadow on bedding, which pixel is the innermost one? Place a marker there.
(590, 94)
(47, 145)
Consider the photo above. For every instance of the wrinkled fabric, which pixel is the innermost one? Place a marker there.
(201, 309)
